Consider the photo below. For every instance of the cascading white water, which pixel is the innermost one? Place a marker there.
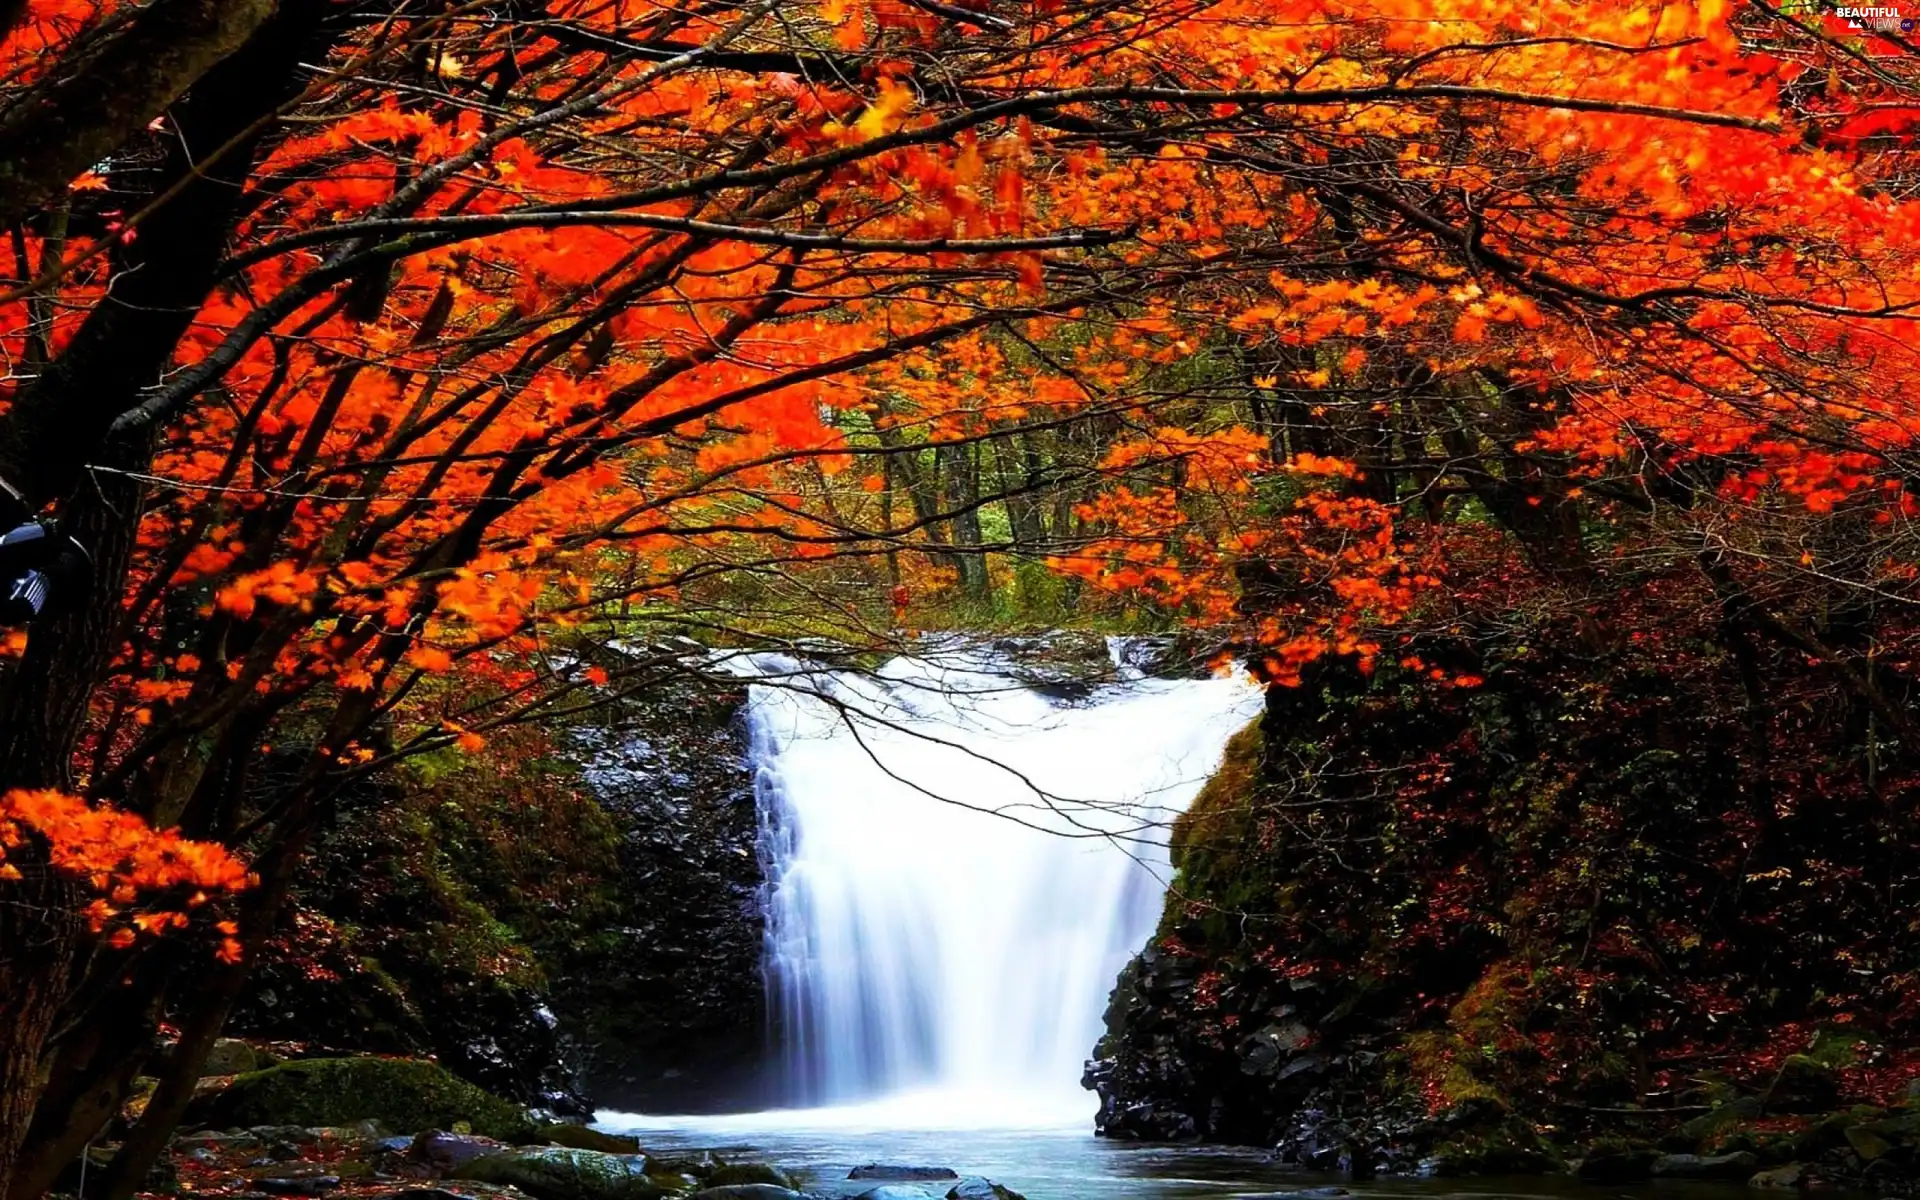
(957, 870)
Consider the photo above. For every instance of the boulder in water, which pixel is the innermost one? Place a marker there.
(450, 1190)
(561, 1173)
(747, 1191)
(1790, 1178)
(1736, 1166)
(728, 1173)
(896, 1171)
(976, 1188)
(585, 1137)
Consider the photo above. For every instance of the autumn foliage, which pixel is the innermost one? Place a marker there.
(385, 349)
(122, 859)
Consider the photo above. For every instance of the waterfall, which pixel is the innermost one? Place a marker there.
(958, 866)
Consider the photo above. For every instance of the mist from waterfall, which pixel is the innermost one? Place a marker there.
(958, 867)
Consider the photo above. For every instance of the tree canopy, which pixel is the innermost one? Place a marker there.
(373, 351)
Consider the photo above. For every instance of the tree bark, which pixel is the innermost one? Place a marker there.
(57, 426)
(109, 87)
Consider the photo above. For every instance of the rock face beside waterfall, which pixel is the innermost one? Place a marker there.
(665, 1007)
(1577, 911)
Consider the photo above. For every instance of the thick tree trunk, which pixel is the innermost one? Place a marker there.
(53, 431)
(38, 930)
(124, 78)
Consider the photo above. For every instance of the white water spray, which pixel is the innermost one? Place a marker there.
(957, 870)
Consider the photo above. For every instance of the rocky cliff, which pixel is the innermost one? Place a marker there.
(1517, 902)
(664, 1005)
(574, 919)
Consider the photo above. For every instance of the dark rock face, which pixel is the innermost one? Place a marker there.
(1419, 929)
(666, 1006)
(391, 948)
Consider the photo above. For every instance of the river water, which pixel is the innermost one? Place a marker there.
(822, 1146)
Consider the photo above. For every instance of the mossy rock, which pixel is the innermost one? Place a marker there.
(585, 1137)
(563, 1173)
(1804, 1084)
(1711, 1129)
(406, 1095)
(1506, 1147)
(751, 1173)
(1615, 1160)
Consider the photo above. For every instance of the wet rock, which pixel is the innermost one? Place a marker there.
(560, 1173)
(897, 1191)
(895, 1171)
(1709, 1125)
(1868, 1144)
(667, 1009)
(404, 1095)
(304, 1184)
(1736, 1166)
(231, 1141)
(1272, 1049)
(457, 1190)
(447, 1151)
(699, 1164)
(230, 1056)
(1617, 1164)
(728, 1173)
(585, 1137)
(1065, 667)
(982, 1189)
(1792, 1177)
(1803, 1084)
(747, 1191)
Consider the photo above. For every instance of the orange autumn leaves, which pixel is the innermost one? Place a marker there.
(124, 860)
(1334, 574)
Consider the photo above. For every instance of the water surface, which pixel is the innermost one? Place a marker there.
(1068, 1163)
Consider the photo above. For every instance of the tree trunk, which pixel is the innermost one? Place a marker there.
(39, 933)
(53, 431)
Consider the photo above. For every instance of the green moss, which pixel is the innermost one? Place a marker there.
(406, 1095)
(750, 1173)
(1216, 847)
(1835, 1049)
(560, 1173)
(581, 1137)
(1508, 1146)
(1209, 836)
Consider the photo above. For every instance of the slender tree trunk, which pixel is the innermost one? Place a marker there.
(960, 484)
